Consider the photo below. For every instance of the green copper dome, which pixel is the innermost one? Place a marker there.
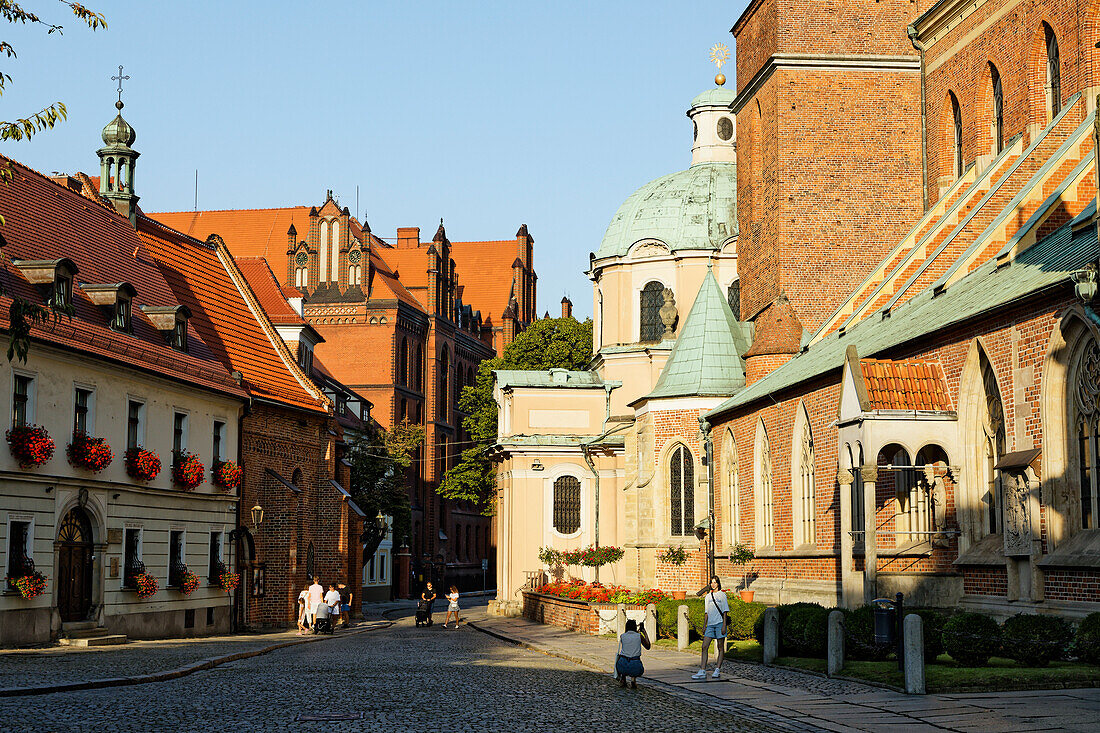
(719, 96)
(118, 131)
(693, 209)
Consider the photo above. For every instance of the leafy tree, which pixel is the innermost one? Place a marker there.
(548, 343)
(24, 314)
(379, 460)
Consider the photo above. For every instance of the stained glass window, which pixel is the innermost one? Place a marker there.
(682, 492)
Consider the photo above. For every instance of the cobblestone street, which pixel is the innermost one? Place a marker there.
(400, 678)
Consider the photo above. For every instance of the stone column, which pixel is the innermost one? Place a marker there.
(651, 621)
(913, 641)
(869, 474)
(620, 619)
(851, 583)
(682, 627)
(771, 634)
(835, 653)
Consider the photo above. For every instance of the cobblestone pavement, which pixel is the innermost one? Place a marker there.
(397, 679)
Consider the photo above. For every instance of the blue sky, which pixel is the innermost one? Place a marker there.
(489, 114)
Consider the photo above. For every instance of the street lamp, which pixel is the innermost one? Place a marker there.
(257, 516)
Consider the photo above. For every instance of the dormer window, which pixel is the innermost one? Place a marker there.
(123, 317)
(62, 289)
(53, 276)
(116, 299)
(171, 321)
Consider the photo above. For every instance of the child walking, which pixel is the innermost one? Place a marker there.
(452, 607)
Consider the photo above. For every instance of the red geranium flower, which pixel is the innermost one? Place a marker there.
(141, 464)
(91, 453)
(31, 445)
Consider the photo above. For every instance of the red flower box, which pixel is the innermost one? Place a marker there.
(147, 585)
(187, 470)
(31, 585)
(89, 453)
(141, 464)
(188, 583)
(228, 581)
(227, 475)
(31, 445)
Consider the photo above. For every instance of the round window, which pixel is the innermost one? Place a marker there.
(302, 258)
(355, 256)
(725, 128)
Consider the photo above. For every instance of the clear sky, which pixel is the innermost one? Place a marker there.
(488, 114)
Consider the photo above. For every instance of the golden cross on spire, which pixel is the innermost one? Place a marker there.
(719, 54)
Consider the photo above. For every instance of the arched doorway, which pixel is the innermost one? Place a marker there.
(74, 566)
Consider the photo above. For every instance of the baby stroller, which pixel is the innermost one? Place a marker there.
(322, 619)
(424, 613)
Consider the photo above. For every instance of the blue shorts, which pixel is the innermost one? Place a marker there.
(629, 666)
(714, 631)
(345, 607)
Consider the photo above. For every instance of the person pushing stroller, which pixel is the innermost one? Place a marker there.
(424, 606)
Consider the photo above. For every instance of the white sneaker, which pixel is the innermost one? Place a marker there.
(700, 675)
(717, 673)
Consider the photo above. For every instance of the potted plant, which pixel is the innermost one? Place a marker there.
(227, 476)
(31, 445)
(187, 470)
(675, 556)
(740, 557)
(142, 464)
(229, 581)
(30, 586)
(188, 582)
(147, 585)
(92, 454)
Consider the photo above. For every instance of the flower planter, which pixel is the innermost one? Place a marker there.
(746, 595)
(188, 582)
(147, 585)
(229, 581)
(679, 595)
(141, 464)
(31, 445)
(92, 454)
(226, 475)
(30, 586)
(187, 470)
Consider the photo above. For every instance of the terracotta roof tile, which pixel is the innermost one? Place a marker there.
(247, 232)
(262, 281)
(905, 385)
(485, 275)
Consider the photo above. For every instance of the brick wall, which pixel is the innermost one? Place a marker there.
(566, 612)
(1073, 585)
(985, 581)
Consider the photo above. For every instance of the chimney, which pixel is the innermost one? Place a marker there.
(408, 237)
(566, 307)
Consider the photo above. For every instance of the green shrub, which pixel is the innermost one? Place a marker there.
(666, 619)
(784, 610)
(1087, 640)
(805, 630)
(971, 638)
(743, 618)
(1034, 640)
(859, 636)
(697, 622)
(933, 631)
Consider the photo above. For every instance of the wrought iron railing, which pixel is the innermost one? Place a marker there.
(176, 573)
(217, 570)
(134, 568)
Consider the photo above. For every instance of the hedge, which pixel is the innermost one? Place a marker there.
(1087, 640)
(971, 638)
(742, 617)
(859, 636)
(933, 631)
(1034, 640)
(805, 631)
(784, 610)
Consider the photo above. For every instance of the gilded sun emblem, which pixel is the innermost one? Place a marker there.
(719, 54)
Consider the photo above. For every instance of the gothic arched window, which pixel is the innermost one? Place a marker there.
(1054, 72)
(765, 500)
(733, 491)
(803, 461)
(993, 438)
(444, 373)
(418, 369)
(403, 363)
(681, 479)
(1088, 433)
(733, 295)
(957, 134)
(567, 504)
(652, 299)
(998, 109)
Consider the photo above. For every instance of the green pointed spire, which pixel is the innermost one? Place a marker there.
(706, 360)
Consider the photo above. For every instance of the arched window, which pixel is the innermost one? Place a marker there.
(355, 276)
(418, 368)
(998, 109)
(567, 505)
(993, 440)
(733, 490)
(323, 261)
(1087, 393)
(336, 243)
(765, 501)
(803, 477)
(403, 363)
(444, 373)
(296, 478)
(1054, 72)
(733, 296)
(681, 480)
(652, 299)
(956, 134)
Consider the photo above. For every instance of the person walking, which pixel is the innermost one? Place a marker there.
(303, 613)
(452, 606)
(345, 604)
(316, 596)
(427, 599)
(628, 661)
(717, 605)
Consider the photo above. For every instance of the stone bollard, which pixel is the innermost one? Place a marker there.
(835, 652)
(682, 627)
(620, 619)
(771, 634)
(913, 641)
(651, 621)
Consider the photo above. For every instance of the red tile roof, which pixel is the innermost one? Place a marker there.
(228, 315)
(262, 281)
(45, 220)
(908, 384)
(485, 275)
(247, 232)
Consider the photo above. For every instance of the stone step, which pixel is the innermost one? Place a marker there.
(68, 626)
(84, 633)
(106, 640)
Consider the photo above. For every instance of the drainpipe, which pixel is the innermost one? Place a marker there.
(912, 31)
(708, 447)
(586, 446)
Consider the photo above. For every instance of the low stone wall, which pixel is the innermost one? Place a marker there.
(568, 613)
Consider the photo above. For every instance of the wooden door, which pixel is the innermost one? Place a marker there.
(74, 566)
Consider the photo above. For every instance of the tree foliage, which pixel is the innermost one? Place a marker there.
(379, 461)
(22, 313)
(549, 343)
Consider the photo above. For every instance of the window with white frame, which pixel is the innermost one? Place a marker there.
(22, 400)
(132, 556)
(219, 440)
(382, 567)
(733, 490)
(179, 432)
(216, 565)
(83, 410)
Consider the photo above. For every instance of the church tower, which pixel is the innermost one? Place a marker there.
(829, 164)
(116, 166)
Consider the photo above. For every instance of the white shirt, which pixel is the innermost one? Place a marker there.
(716, 604)
(332, 598)
(316, 594)
(453, 598)
(630, 644)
